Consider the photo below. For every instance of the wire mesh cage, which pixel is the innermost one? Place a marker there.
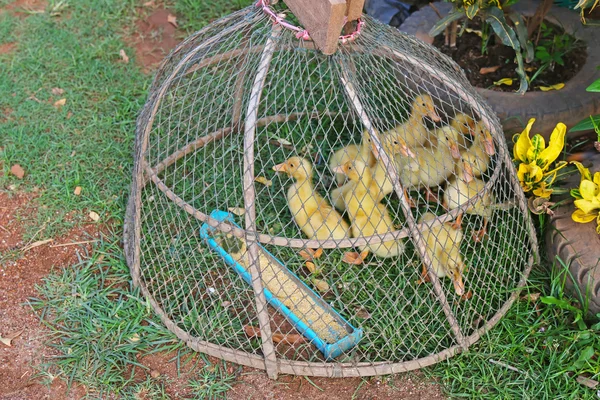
(346, 215)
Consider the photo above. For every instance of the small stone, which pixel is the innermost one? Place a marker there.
(154, 373)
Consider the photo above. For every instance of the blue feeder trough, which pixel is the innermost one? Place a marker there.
(333, 339)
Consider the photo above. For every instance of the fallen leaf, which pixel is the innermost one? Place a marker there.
(94, 216)
(154, 373)
(504, 81)
(17, 171)
(57, 91)
(362, 313)
(321, 285)
(134, 338)
(540, 205)
(310, 266)
(237, 210)
(263, 180)
(558, 86)
(467, 296)
(475, 31)
(310, 254)
(69, 115)
(149, 4)
(489, 70)
(597, 146)
(77, 191)
(582, 380)
(282, 141)
(288, 338)
(172, 20)
(124, 56)
(530, 69)
(531, 297)
(7, 340)
(60, 103)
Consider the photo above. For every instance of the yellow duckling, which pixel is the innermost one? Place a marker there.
(443, 248)
(430, 167)
(413, 131)
(368, 217)
(463, 187)
(313, 215)
(353, 152)
(478, 155)
(381, 184)
(464, 125)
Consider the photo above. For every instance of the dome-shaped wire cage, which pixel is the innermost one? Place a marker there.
(214, 237)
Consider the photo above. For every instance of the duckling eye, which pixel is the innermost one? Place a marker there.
(423, 104)
(291, 165)
(349, 168)
(395, 142)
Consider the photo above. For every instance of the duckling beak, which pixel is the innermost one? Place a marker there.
(454, 150)
(432, 113)
(338, 170)
(468, 172)
(406, 151)
(457, 280)
(280, 167)
(488, 143)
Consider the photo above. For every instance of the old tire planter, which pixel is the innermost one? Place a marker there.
(569, 105)
(578, 246)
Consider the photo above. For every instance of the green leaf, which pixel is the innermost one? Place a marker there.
(586, 124)
(495, 17)
(586, 355)
(594, 87)
(471, 10)
(521, 29)
(442, 23)
(575, 193)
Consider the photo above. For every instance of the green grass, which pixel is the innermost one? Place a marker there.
(99, 324)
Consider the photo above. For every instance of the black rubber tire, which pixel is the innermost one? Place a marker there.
(578, 246)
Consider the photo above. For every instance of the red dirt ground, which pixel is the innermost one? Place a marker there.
(19, 277)
(154, 37)
(22, 8)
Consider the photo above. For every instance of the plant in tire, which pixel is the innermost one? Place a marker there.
(497, 18)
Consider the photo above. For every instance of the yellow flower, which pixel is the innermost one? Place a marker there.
(587, 197)
(543, 191)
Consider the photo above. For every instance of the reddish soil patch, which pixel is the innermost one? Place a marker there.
(19, 277)
(6, 48)
(253, 384)
(467, 54)
(21, 8)
(154, 37)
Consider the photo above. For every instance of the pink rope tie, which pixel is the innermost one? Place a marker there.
(302, 33)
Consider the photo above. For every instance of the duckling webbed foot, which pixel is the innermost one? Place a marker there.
(457, 224)
(424, 276)
(479, 235)
(431, 197)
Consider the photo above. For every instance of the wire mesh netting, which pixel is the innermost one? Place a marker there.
(353, 214)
